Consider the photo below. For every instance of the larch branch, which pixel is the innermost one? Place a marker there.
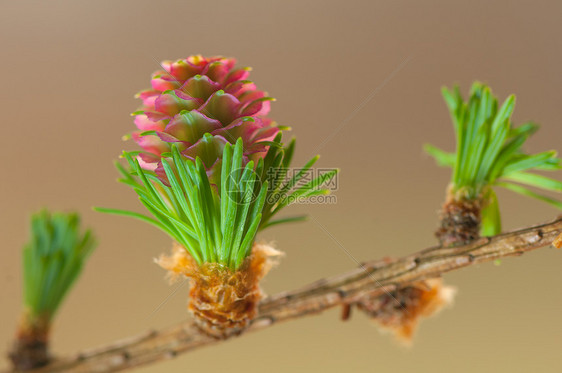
(373, 278)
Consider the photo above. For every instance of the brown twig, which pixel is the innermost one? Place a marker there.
(372, 279)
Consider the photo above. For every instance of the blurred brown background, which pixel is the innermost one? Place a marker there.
(69, 72)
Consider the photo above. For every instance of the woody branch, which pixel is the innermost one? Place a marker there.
(371, 279)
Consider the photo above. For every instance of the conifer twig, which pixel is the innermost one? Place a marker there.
(373, 278)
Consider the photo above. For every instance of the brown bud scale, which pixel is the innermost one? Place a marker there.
(30, 349)
(223, 301)
(401, 310)
(460, 221)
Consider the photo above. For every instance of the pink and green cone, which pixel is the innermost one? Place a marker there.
(200, 104)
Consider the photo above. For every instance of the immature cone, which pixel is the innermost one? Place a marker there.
(460, 220)
(196, 96)
(400, 311)
(222, 301)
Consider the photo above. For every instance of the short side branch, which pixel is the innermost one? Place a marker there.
(372, 279)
